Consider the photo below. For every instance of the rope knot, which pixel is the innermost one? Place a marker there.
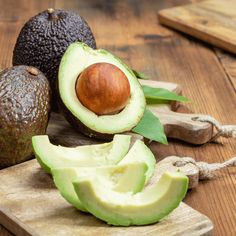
(206, 170)
(227, 131)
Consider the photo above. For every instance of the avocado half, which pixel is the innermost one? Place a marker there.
(76, 59)
(124, 209)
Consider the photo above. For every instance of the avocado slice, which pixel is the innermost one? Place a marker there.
(51, 156)
(121, 178)
(141, 153)
(76, 59)
(124, 209)
(139, 164)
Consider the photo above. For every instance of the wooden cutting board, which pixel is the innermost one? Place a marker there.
(31, 205)
(213, 21)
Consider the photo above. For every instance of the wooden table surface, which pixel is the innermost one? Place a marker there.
(130, 29)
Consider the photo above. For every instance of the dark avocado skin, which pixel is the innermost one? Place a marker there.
(44, 39)
(25, 104)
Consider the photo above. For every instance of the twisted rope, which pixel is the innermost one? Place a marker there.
(227, 131)
(206, 170)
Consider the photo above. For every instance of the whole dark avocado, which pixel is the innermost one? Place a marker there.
(25, 104)
(44, 39)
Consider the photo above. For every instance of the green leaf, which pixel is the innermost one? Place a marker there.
(150, 127)
(140, 75)
(162, 94)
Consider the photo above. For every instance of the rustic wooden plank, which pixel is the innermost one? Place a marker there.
(228, 62)
(61, 132)
(228, 65)
(212, 21)
(22, 10)
(47, 213)
(4, 231)
(165, 55)
(206, 91)
(8, 32)
(14, 224)
(119, 26)
(13, 14)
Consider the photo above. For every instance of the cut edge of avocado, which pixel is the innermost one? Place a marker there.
(52, 156)
(141, 153)
(77, 57)
(124, 209)
(116, 177)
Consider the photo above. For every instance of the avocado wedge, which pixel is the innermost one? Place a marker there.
(130, 174)
(51, 156)
(122, 178)
(141, 153)
(76, 59)
(124, 209)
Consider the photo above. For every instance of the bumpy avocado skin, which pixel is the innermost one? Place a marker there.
(44, 39)
(25, 104)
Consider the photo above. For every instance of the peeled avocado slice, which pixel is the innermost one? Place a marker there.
(130, 174)
(51, 156)
(77, 57)
(124, 209)
(121, 178)
(141, 153)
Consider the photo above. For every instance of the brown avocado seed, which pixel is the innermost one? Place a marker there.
(103, 88)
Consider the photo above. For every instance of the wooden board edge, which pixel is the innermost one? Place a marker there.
(18, 228)
(164, 19)
(14, 225)
(206, 226)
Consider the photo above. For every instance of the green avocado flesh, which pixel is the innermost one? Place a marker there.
(124, 209)
(141, 153)
(133, 171)
(121, 178)
(51, 156)
(79, 56)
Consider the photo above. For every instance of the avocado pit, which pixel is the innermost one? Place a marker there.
(103, 88)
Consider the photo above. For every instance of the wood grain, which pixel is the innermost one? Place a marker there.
(130, 30)
(47, 213)
(16, 212)
(4, 231)
(20, 11)
(228, 62)
(212, 21)
(177, 125)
